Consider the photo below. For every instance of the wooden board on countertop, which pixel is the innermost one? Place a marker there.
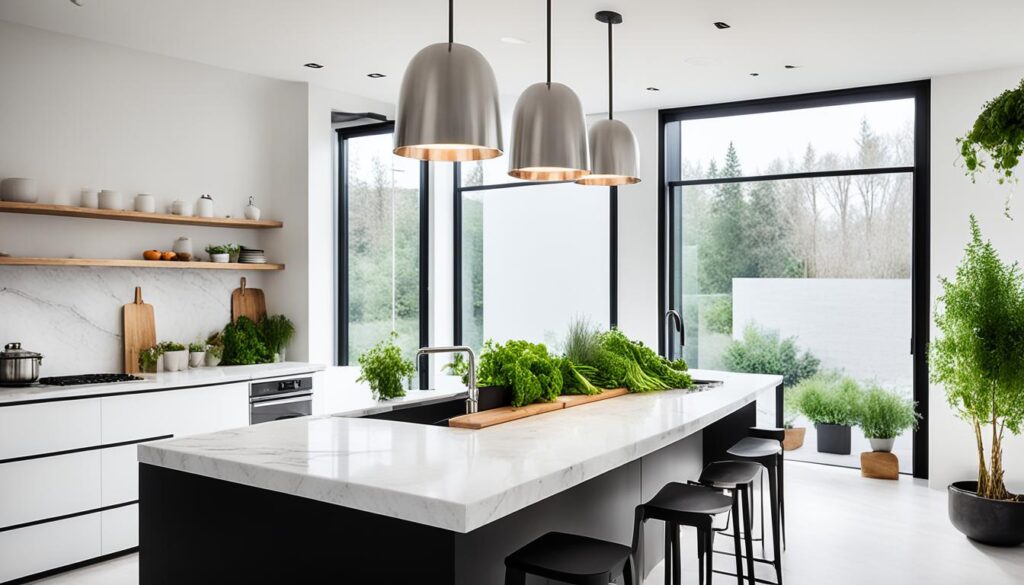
(139, 331)
(248, 302)
(879, 465)
(496, 416)
(571, 400)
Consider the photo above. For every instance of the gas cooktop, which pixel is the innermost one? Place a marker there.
(80, 379)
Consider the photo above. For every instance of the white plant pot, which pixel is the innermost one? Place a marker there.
(220, 258)
(881, 445)
(196, 359)
(160, 363)
(176, 361)
(212, 360)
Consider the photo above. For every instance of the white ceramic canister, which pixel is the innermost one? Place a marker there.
(19, 189)
(109, 199)
(90, 198)
(182, 245)
(183, 208)
(204, 206)
(145, 203)
(251, 211)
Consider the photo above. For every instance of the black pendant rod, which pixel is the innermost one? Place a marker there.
(451, 23)
(610, 109)
(549, 43)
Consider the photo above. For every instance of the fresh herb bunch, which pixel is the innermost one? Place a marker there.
(886, 414)
(166, 346)
(532, 373)
(574, 378)
(829, 399)
(217, 249)
(979, 357)
(277, 331)
(196, 347)
(148, 358)
(638, 367)
(384, 368)
(243, 344)
(582, 344)
(998, 132)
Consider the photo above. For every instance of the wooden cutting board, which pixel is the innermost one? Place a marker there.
(248, 302)
(571, 400)
(496, 416)
(139, 331)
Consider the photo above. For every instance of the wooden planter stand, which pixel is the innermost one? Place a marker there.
(879, 465)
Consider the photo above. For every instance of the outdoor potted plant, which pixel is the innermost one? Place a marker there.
(884, 415)
(979, 360)
(196, 355)
(277, 331)
(175, 356)
(832, 403)
(218, 254)
(384, 368)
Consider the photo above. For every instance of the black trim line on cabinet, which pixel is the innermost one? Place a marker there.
(71, 567)
(83, 449)
(67, 516)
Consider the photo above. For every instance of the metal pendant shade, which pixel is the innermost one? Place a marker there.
(448, 106)
(613, 147)
(549, 132)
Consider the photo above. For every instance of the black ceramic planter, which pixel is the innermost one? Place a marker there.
(833, 439)
(494, 397)
(994, 522)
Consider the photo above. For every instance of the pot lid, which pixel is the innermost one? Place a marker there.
(14, 351)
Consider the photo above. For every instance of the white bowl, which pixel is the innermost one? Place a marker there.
(111, 199)
(19, 189)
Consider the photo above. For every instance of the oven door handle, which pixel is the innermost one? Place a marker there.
(281, 396)
(303, 398)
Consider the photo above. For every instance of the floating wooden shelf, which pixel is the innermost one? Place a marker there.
(116, 214)
(115, 263)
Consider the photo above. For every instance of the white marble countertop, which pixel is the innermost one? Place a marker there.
(162, 381)
(455, 479)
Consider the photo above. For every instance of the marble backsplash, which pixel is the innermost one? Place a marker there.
(73, 315)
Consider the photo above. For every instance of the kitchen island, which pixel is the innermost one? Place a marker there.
(379, 501)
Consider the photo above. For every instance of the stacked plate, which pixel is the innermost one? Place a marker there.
(251, 256)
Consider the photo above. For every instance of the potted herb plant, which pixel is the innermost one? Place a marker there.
(218, 254)
(243, 344)
(233, 251)
(149, 359)
(884, 415)
(979, 360)
(832, 403)
(214, 349)
(175, 356)
(196, 354)
(277, 331)
(998, 134)
(384, 368)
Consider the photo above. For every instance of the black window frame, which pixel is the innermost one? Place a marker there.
(458, 190)
(669, 177)
(360, 131)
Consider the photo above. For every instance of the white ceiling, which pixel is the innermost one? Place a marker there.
(670, 44)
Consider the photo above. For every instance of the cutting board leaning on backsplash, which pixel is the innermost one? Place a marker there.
(139, 331)
(248, 302)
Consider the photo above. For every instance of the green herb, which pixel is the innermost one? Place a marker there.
(637, 366)
(384, 368)
(196, 347)
(526, 367)
(999, 133)
(582, 342)
(277, 331)
(762, 352)
(979, 357)
(148, 359)
(216, 249)
(829, 399)
(217, 351)
(886, 414)
(166, 346)
(232, 249)
(243, 344)
(574, 378)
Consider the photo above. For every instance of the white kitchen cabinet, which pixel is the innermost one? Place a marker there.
(120, 530)
(38, 489)
(120, 467)
(185, 411)
(46, 546)
(35, 429)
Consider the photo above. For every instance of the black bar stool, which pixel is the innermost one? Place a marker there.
(570, 558)
(737, 477)
(678, 505)
(764, 448)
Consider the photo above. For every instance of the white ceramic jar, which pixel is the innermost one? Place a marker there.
(251, 211)
(109, 199)
(182, 208)
(204, 206)
(182, 245)
(90, 198)
(19, 190)
(145, 203)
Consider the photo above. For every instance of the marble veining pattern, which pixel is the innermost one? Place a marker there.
(72, 315)
(455, 479)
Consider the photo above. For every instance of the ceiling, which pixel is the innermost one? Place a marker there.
(669, 44)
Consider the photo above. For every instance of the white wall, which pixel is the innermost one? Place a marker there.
(956, 102)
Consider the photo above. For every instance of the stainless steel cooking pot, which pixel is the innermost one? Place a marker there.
(18, 367)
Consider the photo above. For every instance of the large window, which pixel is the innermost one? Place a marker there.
(382, 259)
(530, 257)
(793, 241)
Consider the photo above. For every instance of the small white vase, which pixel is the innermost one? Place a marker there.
(251, 211)
(204, 206)
(196, 359)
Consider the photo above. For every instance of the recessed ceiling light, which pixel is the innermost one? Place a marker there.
(513, 41)
(314, 65)
(721, 26)
(754, 74)
(652, 88)
(375, 75)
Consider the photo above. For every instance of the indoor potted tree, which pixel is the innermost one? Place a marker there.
(979, 360)
(384, 368)
(884, 415)
(832, 403)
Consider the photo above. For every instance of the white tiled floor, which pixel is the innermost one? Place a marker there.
(843, 530)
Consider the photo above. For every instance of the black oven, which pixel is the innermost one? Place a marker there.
(280, 399)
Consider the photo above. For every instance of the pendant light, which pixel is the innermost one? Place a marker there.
(613, 147)
(549, 133)
(448, 107)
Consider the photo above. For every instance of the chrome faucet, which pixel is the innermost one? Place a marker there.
(677, 321)
(472, 403)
